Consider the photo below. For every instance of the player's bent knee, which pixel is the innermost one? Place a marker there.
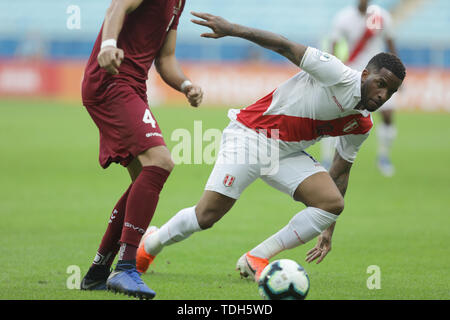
(211, 207)
(334, 206)
(167, 164)
(208, 217)
(158, 157)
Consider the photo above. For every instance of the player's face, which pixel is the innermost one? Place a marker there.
(377, 88)
(362, 5)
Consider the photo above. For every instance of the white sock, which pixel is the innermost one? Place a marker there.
(178, 228)
(386, 135)
(304, 226)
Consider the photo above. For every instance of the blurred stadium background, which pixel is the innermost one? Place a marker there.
(43, 48)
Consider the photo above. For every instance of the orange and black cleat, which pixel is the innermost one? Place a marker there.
(251, 266)
(144, 259)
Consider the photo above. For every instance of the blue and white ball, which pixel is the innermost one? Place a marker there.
(283, 279)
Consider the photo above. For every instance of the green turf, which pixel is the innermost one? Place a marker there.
(55, 201)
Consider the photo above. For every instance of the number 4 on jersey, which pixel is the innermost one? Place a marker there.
(148, 118)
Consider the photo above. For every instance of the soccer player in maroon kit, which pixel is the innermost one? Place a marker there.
(135, 33)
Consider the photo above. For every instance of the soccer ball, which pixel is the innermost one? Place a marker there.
(283, 280)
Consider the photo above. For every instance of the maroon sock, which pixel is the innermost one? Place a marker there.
(127, 252)
(110, 242)
(141, 206)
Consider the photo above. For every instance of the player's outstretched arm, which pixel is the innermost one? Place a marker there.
(340, 173)
(222, 28)
(170, 71)
(110, 57)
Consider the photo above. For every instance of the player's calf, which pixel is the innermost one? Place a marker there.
(303, 227)
(208, 217)
(178, 228)
(212, 207)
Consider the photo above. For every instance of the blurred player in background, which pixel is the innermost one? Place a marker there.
(135, 34)
(367, 31)
(326, 98)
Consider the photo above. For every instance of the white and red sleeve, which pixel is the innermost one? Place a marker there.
(348, 146)
(324, 67)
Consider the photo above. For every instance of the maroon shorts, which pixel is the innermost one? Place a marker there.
(126, 125)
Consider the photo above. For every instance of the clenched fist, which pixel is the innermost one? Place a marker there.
(194, 94)
(110, 58)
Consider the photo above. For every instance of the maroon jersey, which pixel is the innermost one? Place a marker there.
(142, 36)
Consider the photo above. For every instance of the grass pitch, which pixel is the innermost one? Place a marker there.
(55, 202)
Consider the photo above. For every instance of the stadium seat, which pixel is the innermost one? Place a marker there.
(304, 21)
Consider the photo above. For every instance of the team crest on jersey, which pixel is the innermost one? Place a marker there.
(229, 180)
(325, 57)
(350, 126)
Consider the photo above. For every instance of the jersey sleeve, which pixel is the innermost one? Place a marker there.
(177, 19)
(324, 67)
(348, 146)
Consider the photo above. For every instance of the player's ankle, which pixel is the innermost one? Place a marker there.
(152, 244)
(123, 265)
(98, 271)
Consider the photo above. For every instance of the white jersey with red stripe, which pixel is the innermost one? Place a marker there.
(315, 103)
(353, 26)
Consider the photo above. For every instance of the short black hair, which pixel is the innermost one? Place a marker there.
(389, 61)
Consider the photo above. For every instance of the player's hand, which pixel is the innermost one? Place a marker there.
(218, 25)
(194, 94)
(110, 58)
(321, 249)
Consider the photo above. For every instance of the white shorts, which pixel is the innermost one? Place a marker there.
(245, 155)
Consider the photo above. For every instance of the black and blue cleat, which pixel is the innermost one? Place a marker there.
(127, 280)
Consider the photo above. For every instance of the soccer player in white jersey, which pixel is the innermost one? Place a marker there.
(367, 31)
(326, 98)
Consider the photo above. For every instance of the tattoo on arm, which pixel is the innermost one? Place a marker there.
(340, 173)
(342, 183)
(281, 45)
